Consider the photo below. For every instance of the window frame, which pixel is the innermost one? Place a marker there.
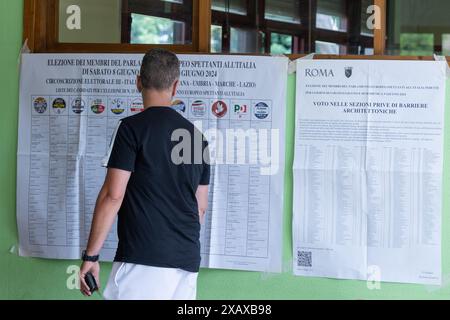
(304, 34)
(41, 27)
(351, 35)
(128, 10)
(40, 30)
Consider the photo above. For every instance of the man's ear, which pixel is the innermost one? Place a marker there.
(139, 83)
(174, 88)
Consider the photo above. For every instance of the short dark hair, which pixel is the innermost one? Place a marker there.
(159, 70)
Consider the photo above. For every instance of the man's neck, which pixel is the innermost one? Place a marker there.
(156, 99)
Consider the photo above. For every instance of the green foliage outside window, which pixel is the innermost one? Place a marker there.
(416, 44)
(280, 43)
(151, 30)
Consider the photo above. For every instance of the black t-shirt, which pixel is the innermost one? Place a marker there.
(158, 223)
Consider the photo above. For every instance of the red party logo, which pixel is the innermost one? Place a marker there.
(219, 109)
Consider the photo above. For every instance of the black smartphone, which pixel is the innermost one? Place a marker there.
(90, 281)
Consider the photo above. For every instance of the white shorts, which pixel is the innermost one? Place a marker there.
(129, 281)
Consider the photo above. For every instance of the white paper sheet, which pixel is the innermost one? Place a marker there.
(69, 107)
(368, 170)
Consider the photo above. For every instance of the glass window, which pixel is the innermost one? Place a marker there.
(133, 21)
(280, 33)
(331, 15)
(417, 27)
(147, 29)
(416, 44)
(365, 30)
(99, 23)
(216, 38)
(231, 6)
(446, 44)
(280, 43)
(369, 51)
(283, 10)
(323, 47)
(243, 40)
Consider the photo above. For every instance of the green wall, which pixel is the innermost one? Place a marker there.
(25, 278)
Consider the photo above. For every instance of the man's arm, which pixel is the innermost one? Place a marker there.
(202, 201)
(108, 204)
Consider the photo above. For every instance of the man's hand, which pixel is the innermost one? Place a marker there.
(92, 267)
(108, 204)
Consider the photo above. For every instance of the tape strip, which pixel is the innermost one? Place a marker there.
(292, 68)
(13, 249)
(442, 58)
(23, 50)
(308, 57)
(277, 55)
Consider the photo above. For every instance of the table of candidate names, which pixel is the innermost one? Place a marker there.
(77, 136)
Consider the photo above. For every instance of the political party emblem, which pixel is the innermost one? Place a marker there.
(78, 106)
(98, 106)
(179, 106)
(137, 106)
(219, 109)
(40, 105)
(261, 110)
(59, 105)
(241, 110)
(198, 108)
(117, 106)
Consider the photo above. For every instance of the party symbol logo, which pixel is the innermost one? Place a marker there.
(261, 110)
(97, 106)
(198, 108)
(240, 110)
(59, 105)
(117, 106)
(179, 105)
(40, 105)
(219, 109)
(78, 106)
(137, 106)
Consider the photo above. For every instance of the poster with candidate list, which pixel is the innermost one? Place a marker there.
(70, 105)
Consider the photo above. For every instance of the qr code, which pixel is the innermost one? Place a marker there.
(304, 258)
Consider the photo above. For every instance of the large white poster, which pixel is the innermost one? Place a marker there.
(69, 107)
(368, 170)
